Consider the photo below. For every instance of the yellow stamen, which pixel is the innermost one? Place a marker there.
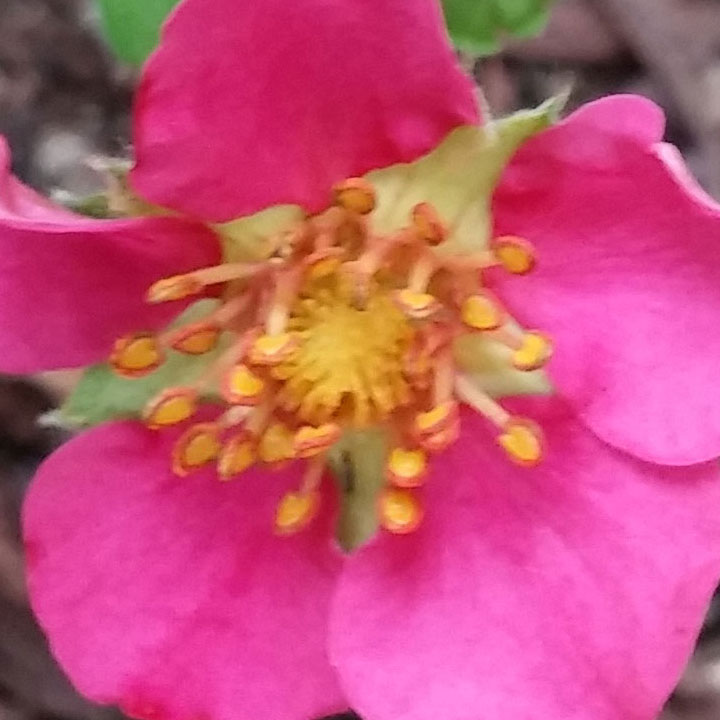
(237, 455)
(197, 447)
(295, 511)
(428, 224)
(522, 440)
(442, 439)
(242, 386)
(406, 468)
(515, 254)
(136, 355)
(469, 393)
(182, 286)
(482, 312)
(196, 339)
(400, 511)
(170, 407)
(273, 349)
(310, 441)
(356, 195)
(177, 287)
(277, 444)
(417, 305)
(437, 419)
(534, 352)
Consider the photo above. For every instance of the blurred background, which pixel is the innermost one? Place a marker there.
(63, 98)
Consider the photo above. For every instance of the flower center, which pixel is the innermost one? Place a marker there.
(348, 365)
(341, 328)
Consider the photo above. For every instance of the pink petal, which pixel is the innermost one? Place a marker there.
(72, 285)
(173, 597)
(573, 590)
(247, 105)
(628, 278)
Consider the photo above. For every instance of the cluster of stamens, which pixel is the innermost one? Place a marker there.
(339, 328)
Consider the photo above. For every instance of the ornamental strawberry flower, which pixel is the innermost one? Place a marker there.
(500, 338)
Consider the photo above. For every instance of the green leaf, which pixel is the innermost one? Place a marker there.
(458, 177)
(133, 26)
(103, 395)
(478, 26)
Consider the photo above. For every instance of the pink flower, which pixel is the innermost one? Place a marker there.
(569, 583)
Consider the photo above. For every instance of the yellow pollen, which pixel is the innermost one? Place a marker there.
(195, 448)
(534, 351)
(406, 468)
(272, 349)
(349, 361)
(515, 254)
(277, 444)
(170, 407)
(196, 339)
(522, 441)
(481, 312)
(242, 386)
(237, 455)
(356, 195)
(295, 511)
(136, 355)
(417, 305)
(400, 511)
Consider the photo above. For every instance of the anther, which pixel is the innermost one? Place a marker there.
(482, 312)
(438, 419)
(534, 351)
(406, 468)
(416, 305)
(177, 287)
(310, 441)
(438, 441)
(196, 339)
(277, 444)
(197, 447)
(356, 195)
(273, 349)
(295, 511)
(236, 456)
(515, 254)
(170, 407)
(182, 286)
(428, 224)
(242, 386)
(522, 440)
(136, 355)
(400, 511)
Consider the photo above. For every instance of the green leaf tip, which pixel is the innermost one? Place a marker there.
(479, 26)
(132, 27)
(102, 395)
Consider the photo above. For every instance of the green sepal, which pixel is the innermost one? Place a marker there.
(458, 177)
(479, 26)
(102, 395)
(246, 239)
(132, 27)
(358, 463)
